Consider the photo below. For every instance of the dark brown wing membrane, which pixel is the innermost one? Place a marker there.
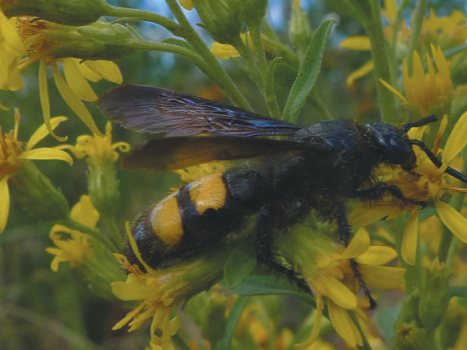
(181, 152)
(148, 109)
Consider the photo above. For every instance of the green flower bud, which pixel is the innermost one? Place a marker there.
(70, 12)
(411, 337)
(36, 194)
(220, 18)
(103, 186)
(434, 299)
(253, 11)
(98, 41)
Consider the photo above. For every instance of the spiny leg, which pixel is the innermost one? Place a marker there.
(265, 225)
(345, 233)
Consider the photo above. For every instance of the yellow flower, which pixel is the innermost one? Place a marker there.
(75, 246)
(446, 32)
(12, 48)
(38, 40)
(99, 148)
(331, 276)
(13, 153)
(425, 182)
(427, 93)
(161, 290)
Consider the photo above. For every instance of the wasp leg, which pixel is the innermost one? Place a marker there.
(265, 225)
(345, 232)
(381, 189)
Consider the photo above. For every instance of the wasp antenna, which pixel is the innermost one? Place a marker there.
(430, 119)
(437, 162)
(456, 174)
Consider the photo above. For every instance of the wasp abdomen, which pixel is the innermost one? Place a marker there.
(197, 215)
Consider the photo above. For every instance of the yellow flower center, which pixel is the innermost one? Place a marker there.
(32, 32)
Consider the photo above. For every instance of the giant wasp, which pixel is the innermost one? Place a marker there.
(318, 167)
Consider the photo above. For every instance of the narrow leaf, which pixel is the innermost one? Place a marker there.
(232, 320)
(308, 72)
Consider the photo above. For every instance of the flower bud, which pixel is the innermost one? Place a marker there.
(220, 18)
(98, 41)
(253, 11)
(70, 12)
(434, 298)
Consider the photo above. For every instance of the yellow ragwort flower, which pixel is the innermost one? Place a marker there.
(74, 246)
(159, 293)
(14, 152)
(12, 49)
(36, 44)
(430, 92)
(99, 148)
(332, 278)
(425, 182)
(445, 32)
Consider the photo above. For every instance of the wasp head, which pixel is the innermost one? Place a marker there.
(392, 145)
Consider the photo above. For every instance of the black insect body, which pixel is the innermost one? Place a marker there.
(319, 168)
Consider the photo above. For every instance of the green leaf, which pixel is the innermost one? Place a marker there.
(240, 263)
(460, 292)
(308, 72)
(232, 321)
(270, 285)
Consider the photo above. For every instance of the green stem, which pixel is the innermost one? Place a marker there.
(75, 225)
(156, 46)
(114, 11)
(417, 22)
(218, 73)
(395, 31)
(250, 62)
(114, 231)
(255, 35)
(374, 26)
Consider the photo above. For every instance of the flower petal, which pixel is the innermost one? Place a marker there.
(84, 212)
(410, 239)
(316, 326)
(358, 245)
(4, 202)
(44, 98)
(456, 141)
(382, 277)
(453, 220)
(344, 325)
(339, 293)
(364, 215)
(223, 51)
(357, 42)
(377, 255)
(47, 153)
(76, 80)
(73, 101)
(394, 91)
(43, 132)
(106, 69)
(360, 72)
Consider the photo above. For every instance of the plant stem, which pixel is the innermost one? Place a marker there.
(417, 22)
(380, 55)
(114, 11)
(219, 75)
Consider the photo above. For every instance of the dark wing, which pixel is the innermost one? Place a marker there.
(181, 152)
(154, 110)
